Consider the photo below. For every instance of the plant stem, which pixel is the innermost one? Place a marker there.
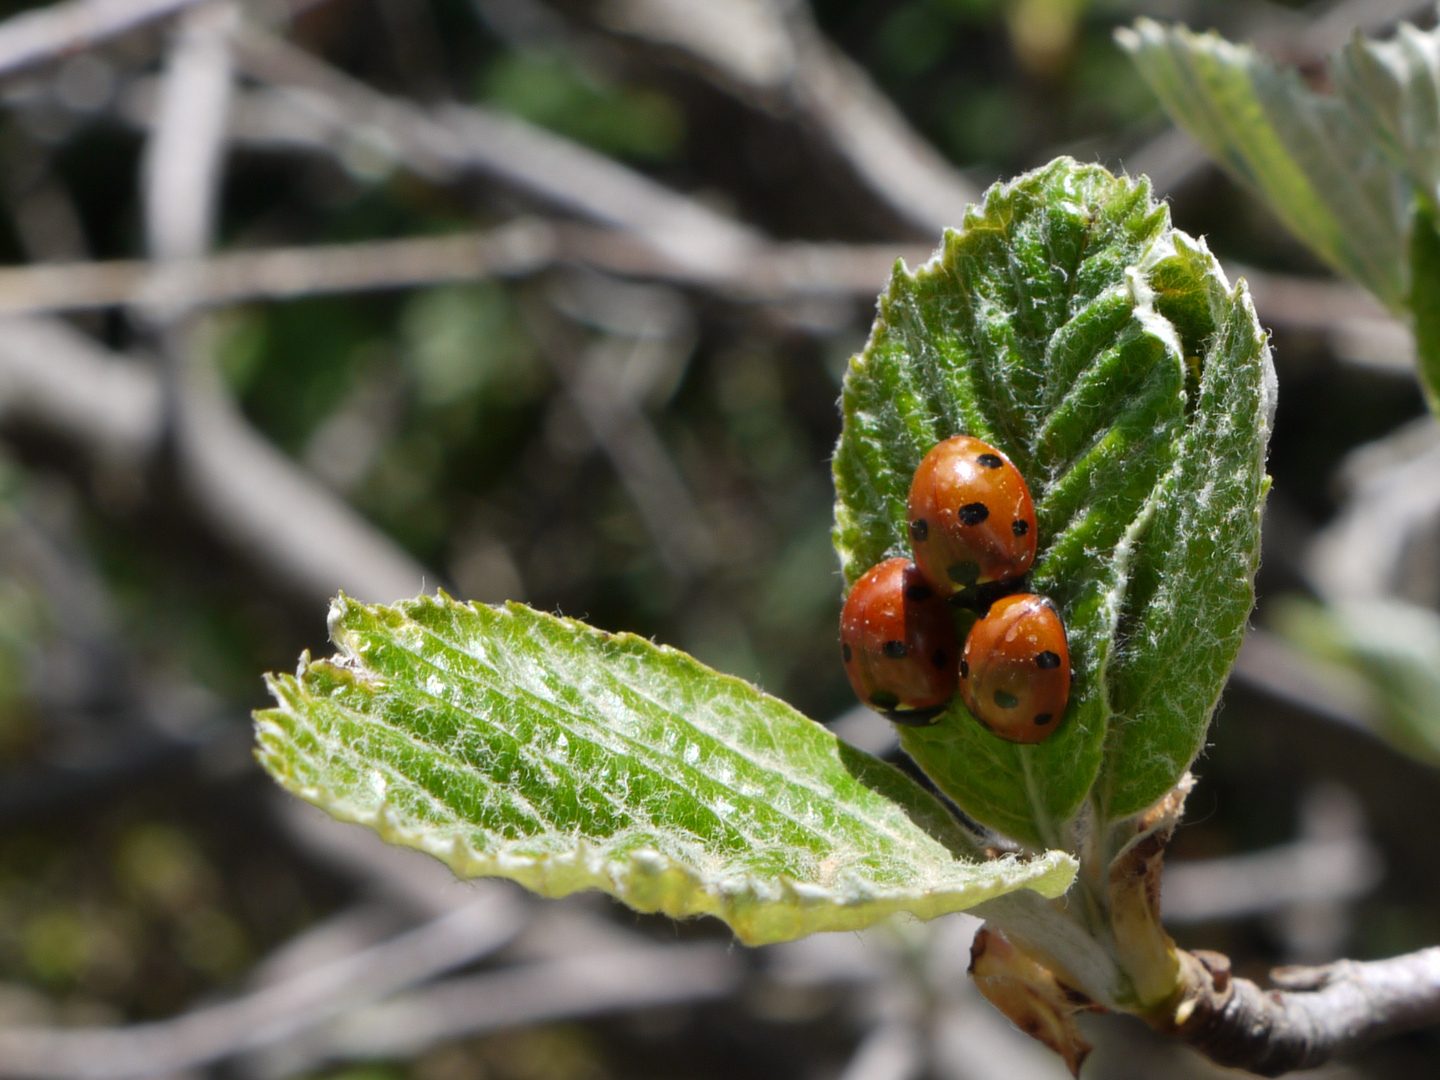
(1317, 1012)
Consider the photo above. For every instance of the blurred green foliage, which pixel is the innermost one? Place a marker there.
(468, 342)
(997, 84)
(558, 91)
(130, 914)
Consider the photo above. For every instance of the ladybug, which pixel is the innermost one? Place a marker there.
(971, 517)
(898, 642)
(1015, 670)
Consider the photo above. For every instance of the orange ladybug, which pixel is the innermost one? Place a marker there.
(898, 642)
(971, 517)
(1015, 670)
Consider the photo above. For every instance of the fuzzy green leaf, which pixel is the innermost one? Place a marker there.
(1310, 157)
(1191, 589)
(1063, 324)
(1394, 89)
(515, 744)
(1425, 301)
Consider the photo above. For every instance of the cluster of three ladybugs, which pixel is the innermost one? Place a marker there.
(972, 532)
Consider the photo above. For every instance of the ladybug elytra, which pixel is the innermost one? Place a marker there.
(898, 642)
(971, 517)
(1015, 670)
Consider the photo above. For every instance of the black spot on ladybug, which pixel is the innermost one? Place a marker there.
(990, 461)
(972, 513)
(1047, 660)
(919, 530)
(964, 669)
(1005, 699)
(1019, 527)
(845, 651)
(894, 649)
(1041, 719)
(884, 699)
(939, 659)
(964, 573)
(919, 593)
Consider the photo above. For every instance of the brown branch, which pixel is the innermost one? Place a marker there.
(1315, 1014)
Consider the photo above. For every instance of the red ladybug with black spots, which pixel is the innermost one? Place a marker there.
(971, 517)
(1015, 669)
(898, 642)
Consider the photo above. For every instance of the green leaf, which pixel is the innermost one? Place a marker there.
(1425, 301)
(1061, 324)
(1192, 588)
(1394, 89)
(1310, 157)
(511, 743)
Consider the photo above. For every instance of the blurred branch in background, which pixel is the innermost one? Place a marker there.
(575, 986)
(111, 406)
(39, 36)
(1384, 540)
(1308, 885)
(773, 272)
(257, 498)
(459, 139)
(53, 374)
(270, 1014)
(649, 339)
(773, 55)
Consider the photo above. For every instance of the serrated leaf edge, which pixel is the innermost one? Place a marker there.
(759, 910)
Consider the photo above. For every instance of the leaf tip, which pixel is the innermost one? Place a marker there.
(340, 609)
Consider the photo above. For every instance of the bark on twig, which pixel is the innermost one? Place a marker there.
(1314, 1014)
